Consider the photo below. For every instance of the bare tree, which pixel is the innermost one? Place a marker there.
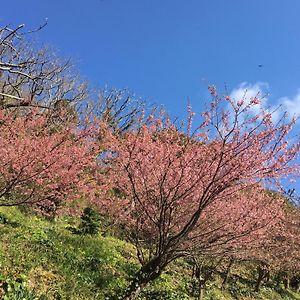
(34, 76)
(122, 110)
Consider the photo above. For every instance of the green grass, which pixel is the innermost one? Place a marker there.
(43, 260)
(60, 264)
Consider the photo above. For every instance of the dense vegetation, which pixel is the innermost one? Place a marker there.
(42, 259)
(103, 199)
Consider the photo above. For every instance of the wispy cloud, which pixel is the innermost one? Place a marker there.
(247, 91)
(291, 105)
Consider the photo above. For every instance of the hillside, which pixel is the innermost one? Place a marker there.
(43, 259)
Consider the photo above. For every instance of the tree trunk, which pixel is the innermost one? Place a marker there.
(145, 275)
(201, 290)
(258, 283)
(287, 282)
(227, 274)
(263, 272)
(201, 281)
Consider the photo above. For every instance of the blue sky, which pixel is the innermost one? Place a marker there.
(168, 50)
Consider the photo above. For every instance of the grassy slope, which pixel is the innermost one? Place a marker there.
(60, 265)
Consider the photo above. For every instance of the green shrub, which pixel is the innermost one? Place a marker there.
(6, 221)
(40, 236)
(90, 222)
(3, 219)
(16, 289)
(156, 294)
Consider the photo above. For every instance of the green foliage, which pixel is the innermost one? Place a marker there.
(3, 219)
(17, 289)
(6, 221)
(40, 259)
(239, 290)
(154, 294)
(90, 222)
(41, 237)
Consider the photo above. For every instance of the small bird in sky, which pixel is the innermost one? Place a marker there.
(260, 65)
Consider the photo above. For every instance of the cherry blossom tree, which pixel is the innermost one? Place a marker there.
(274, 253)
(178, 191)
(281, 251)
(289, 255)
(41, 165)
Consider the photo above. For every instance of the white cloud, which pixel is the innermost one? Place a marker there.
(245, 91)
(291, 105)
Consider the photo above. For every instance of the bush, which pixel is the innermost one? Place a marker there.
(3, 219)
(154, 294)
(90, 222)
(16, 289)
(6, 221)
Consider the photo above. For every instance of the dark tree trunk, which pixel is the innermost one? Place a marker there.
(258, 283)
(201, 278)
(263, 272)
(201, 290)
(287, 282)
(145, 275)
(227, 273)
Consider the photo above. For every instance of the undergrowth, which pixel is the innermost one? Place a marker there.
(45, 260)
